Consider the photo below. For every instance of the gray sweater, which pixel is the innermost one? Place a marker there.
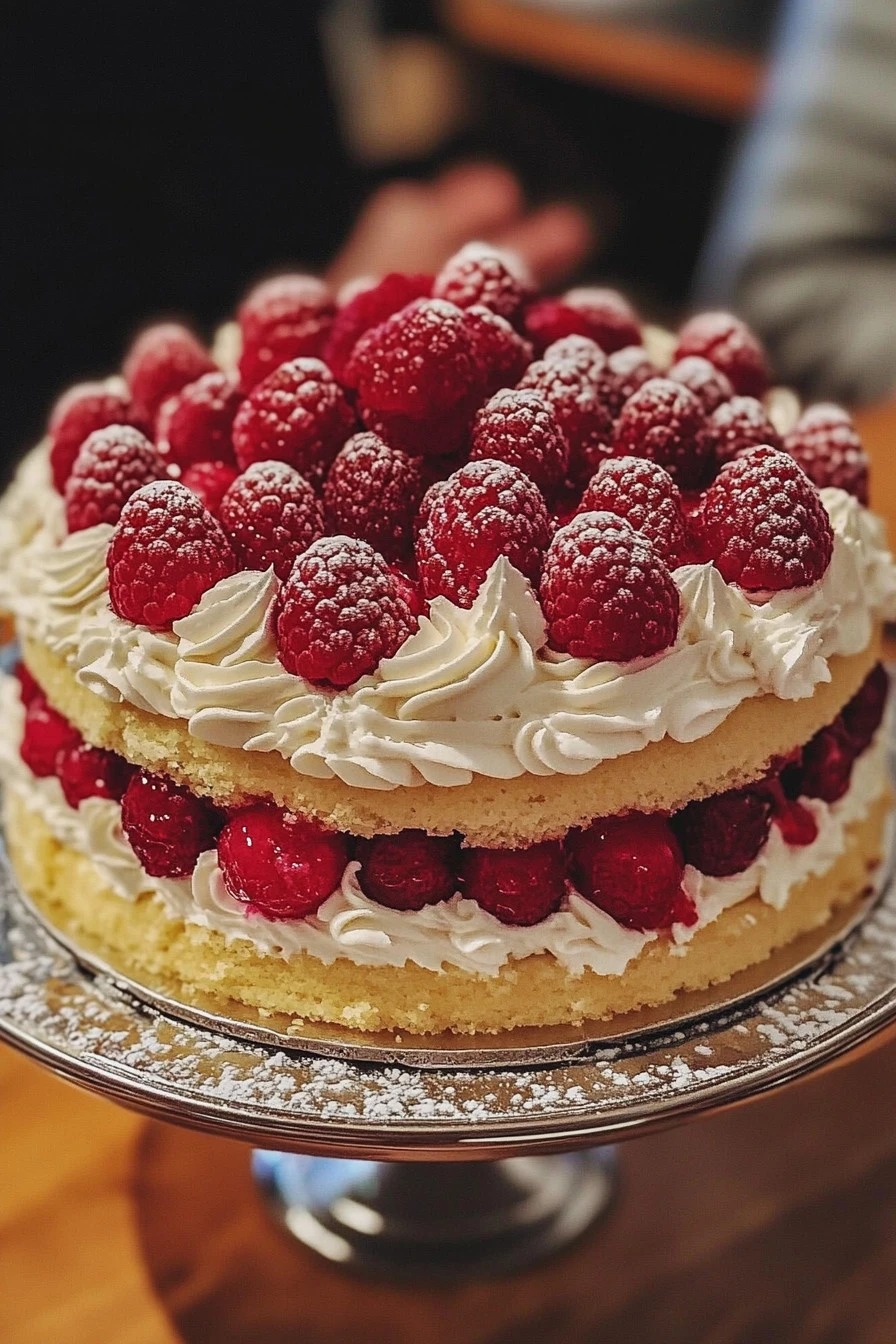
(805, 243)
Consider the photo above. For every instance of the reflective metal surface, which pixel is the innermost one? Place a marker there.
(437, 1221)
(88, 1030)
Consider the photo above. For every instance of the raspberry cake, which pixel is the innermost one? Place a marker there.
(439, 656)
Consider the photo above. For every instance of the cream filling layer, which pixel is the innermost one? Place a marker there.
(456, 933)
(471, 692)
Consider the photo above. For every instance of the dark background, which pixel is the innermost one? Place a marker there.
(163, 154)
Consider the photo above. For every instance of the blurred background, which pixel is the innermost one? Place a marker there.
(716, 151)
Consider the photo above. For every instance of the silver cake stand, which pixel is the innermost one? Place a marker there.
(435, 1159)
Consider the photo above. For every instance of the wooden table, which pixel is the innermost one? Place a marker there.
(774, 1222)
(704, 77)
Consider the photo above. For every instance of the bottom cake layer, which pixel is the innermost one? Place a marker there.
(201, 964)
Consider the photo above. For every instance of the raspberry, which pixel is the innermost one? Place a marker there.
(210, 482)
(373, 492)
(484, 510)
(606, 593)
(368, 309)
(166, 551)
(419, 362)
(722, 835)
(517, 886)
(581, 351)
(271, 516)
(763, 524)
(29, 690)
(485, 275)
(626, 370)
(863, 714)
(111, 464)
(299, 415)
(645, 495)
(584, 420)
(520, 427)
(166, 826)
(410, 590)
(283, 318)
(602, 314)
(90, 772)
(443, 436)
(282, 866)
(500, 353)
(729, 345)
(632, 867)
(196, 424)
(709, 385)
(795, 822)
(46, 734)
(828, 449)
(740, 423)
(827, 763)
(80, 411)
(409, 870)
(665, 421)
(339, 613)
(162, 360)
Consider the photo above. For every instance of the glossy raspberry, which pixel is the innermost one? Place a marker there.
(606, 593)
(280, 865)
(500, 354)
(827, 763)
(517, 886)
(709, 385)
(29, 689)
(723, 834)
(298, 415)
(520, 427)
(486, 275)
(339, 613)
(373, 492)
(793, 819)
(210, 482)
(584, 420)
(166, 825)
(828, 449)
(271, 515)
(283, 318)
(486, 509)
(408, 871)
(368, 309)
(196, 424)
(729, 344)
(90, 772)
(162, 360)
(626, 370)
(46, 734)
(419, 362)
(166, 551)
(602, 314)
(410, 589)
(863, 714)
(632, 867)
(740, 423)
(645, 495)
(111, 464)
(78, 413)
(665, 421)
(763, 524)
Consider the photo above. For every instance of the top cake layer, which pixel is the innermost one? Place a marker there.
(525, 568)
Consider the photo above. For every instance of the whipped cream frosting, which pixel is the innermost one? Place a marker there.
(457, 932)
(473, 691)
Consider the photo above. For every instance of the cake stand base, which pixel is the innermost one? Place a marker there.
(437, 1220)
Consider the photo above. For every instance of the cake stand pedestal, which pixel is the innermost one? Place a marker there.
(408, 1161)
